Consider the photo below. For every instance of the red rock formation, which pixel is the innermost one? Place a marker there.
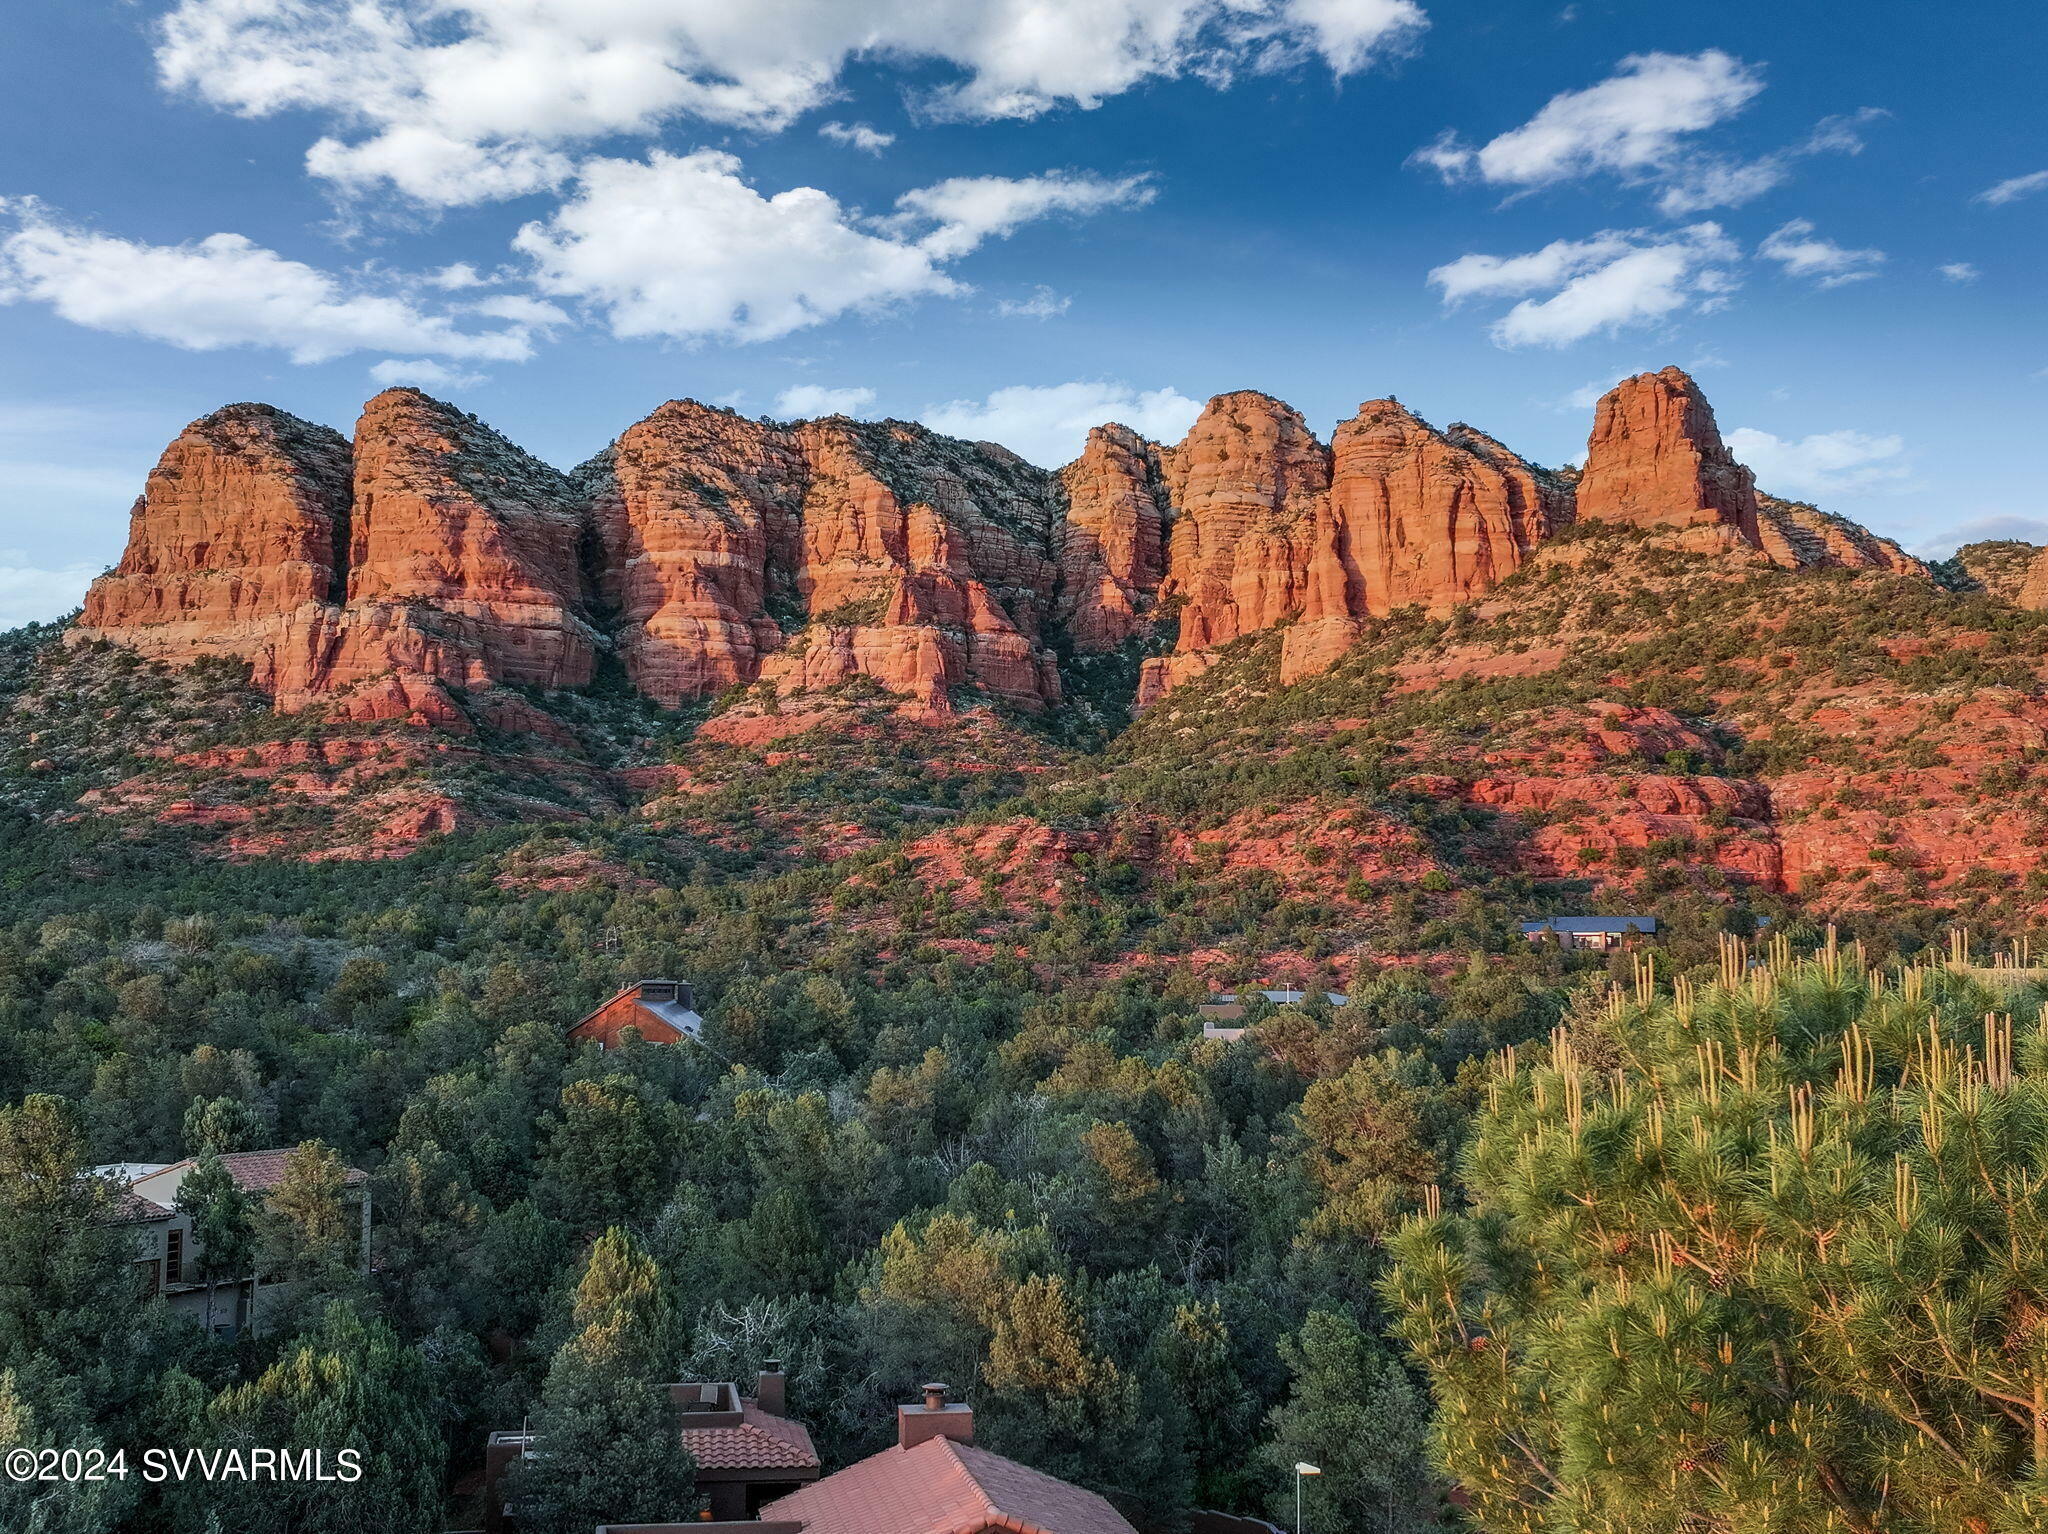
(1656, 460)
(449, 514)
(1802, 537)
(1112, 553)
(237, 527)
(2033, 586)
(1270, 527)
(688, 505)
(884, 550)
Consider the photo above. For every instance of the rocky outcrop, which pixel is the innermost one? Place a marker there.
(1803, 537)
(2033, 586)
(697, 511)
(1656, 460)
(736, 551)
(1270, 527)
(1112, 544)
(244, 519)
(451, 517)
(713, 552)
(1998, 567)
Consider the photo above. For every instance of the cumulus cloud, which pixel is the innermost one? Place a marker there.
(966, 210)
(1803, 253)
(1999, 525)
(2013, 189)
(806, 401)
(223, 291)
(856, 136)
(35, 594)
(422, 373)
(1048, 425)
(1613, 280)
(1632, 122)
(682, 246)
(1642, 125)
(1960, 271)
(465, 101)
(1832, 463)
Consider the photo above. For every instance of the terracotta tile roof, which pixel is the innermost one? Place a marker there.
(253, 1171)
(761, 1441)
(132, 1208)
(943, 1487)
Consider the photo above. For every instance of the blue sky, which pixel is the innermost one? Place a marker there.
(1013, 218)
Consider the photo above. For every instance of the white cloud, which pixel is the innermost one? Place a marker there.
(465, 101)
(1999, 525)
(1043, 304)
(970, 209)
(2013, 189)
(807, 401)
(1641, 124)
(1631, 123)
(1960, 271)
(32, 595)
(681, 246)
(857, 136)
(1802, 253)
(222, 291)
(1049, 425)
(1825, 464)
(1612, 280)
(453, 279)
(423, 373)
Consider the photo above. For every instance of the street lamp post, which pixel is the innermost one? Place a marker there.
(1301, 1468)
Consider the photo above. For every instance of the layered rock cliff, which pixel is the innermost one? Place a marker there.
(244, 519)
(432, 561)
(1656, 460)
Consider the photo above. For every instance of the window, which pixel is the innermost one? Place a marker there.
(174, 1257)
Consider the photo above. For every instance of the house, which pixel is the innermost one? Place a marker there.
(662, 1011)
(1218, 1012)
(934, 1480)
(1596, 932)
(747, 1448)
(169, 1260)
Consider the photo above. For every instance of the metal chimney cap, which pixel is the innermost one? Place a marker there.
(771, 1366)
(935, 1395)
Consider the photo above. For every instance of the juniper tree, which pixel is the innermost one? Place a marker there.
(1769, 1254)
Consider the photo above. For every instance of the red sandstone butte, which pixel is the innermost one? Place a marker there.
(1656, 460)
(237, 527)
(1112, 546)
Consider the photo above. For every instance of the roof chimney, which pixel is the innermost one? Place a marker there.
(771, 1389)
(934, 1418)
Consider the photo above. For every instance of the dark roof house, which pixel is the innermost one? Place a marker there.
(1590, 931)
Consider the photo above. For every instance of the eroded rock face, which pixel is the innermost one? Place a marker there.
(449, 514)
(1656, 460)
(697, 510)
(1112, 545)
(714, 552)
(1271, 527)
(1803, 537)
(244, 520)
(736, 551)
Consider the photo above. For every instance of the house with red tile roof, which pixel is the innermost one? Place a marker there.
(748, 1450)
(168, 1257)
(933, 1480)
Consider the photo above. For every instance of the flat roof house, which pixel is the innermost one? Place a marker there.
(663, 1011)
(1596, 932)
(1218, 1013)
(168, 1256)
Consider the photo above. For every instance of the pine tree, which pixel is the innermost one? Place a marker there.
(1356, 1415)
(223, 1225)
(606, 1442)
(1769, 1254)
